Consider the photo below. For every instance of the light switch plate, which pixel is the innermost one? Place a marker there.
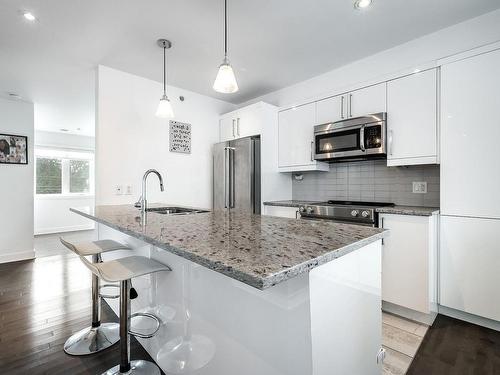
(419, 187)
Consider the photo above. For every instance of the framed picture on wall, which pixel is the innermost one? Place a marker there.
(13, 149)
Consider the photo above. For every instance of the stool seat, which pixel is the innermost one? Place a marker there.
(94, 247)
(125, 268)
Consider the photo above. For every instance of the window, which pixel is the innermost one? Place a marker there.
(61, 172)
(48, 176)
(79, 176)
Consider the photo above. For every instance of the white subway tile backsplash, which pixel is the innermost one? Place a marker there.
(370, 180)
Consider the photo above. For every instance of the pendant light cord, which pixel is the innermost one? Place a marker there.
(164, 70)
(225, 28)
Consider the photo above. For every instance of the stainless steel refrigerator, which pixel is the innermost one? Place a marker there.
(236, 175)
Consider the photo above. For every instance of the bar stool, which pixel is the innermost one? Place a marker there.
(123, 270)
(98, 336)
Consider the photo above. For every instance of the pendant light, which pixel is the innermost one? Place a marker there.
(225, 82)
(164, 107)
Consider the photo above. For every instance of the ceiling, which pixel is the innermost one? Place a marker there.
(272, 44)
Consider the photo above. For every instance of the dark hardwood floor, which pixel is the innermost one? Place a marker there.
(454, 347)
(42, 303)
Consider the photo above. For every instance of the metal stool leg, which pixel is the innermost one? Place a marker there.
(139, 367)
(97, 337)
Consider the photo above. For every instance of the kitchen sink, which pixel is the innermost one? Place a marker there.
(174, 210)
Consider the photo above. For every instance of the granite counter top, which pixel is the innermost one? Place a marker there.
(408, 210)
(260, 251)
(289, 203)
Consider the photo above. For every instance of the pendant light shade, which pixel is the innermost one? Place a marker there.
(225, 82)
(164, 109)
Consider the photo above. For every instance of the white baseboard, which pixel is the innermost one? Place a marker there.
(470, 318)
(417, 316)
(73, 228)
(15, 257)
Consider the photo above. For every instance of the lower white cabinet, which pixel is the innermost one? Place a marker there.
(470, 265)
(409, 261)
(280, 211)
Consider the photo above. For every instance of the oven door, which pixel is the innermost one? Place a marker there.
(339, 143)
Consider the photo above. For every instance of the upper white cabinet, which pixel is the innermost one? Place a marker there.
(470, 130)
(469, 264)
(241, 123)
(412, 127)
(331, 110)
(366, 101)
(356, 103)
(409, 261)
(296, 140)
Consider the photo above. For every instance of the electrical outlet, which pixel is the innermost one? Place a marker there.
(128, 190)
(419, 187)
(118, 190)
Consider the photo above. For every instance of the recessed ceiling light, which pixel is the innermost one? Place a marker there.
(64, 130)
(29, 16)
(360, 4)
(13, 95)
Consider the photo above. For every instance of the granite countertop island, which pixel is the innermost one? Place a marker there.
(260, 251)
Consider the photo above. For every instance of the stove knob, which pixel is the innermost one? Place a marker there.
(354, 213)
(302, 209)
(365, 213)
(309, 210)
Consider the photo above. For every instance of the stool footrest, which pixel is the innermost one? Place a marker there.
(145, 335)
(113, 296)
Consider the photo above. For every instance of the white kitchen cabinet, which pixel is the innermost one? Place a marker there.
(412, 127)
(362, 102)
(409, 261)
(241, 123)
(470, 264)
(331, 110)
(282, 211)
(365, 101)
(470, 130)
(296, 140)
(227, 128)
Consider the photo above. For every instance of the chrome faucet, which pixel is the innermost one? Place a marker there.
(143, 202)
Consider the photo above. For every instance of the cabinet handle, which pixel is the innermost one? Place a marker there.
(382, 226)
(233, 129)
(390, 142)
(312, 150)
(350, 105)
(342, 107)
(238, 126)
(297, 214)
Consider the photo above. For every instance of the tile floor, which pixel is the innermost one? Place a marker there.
(401, 338)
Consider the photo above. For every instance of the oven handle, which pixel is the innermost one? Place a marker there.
(315, 218)
(362, 138)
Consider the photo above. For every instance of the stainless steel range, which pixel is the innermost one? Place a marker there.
(363, 213)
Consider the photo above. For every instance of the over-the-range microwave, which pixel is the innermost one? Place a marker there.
(356, 138)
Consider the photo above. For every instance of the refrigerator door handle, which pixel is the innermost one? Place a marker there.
(232, 177)
(228, 177)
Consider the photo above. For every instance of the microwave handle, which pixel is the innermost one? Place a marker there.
(362, 138)
(312, 150)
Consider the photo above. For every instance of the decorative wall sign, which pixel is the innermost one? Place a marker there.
(13, 149)
(180, 137)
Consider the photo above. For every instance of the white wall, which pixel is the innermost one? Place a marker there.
(130, 140)
(52, 214)
(400, 60)
(64, 140)
(16, 186)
